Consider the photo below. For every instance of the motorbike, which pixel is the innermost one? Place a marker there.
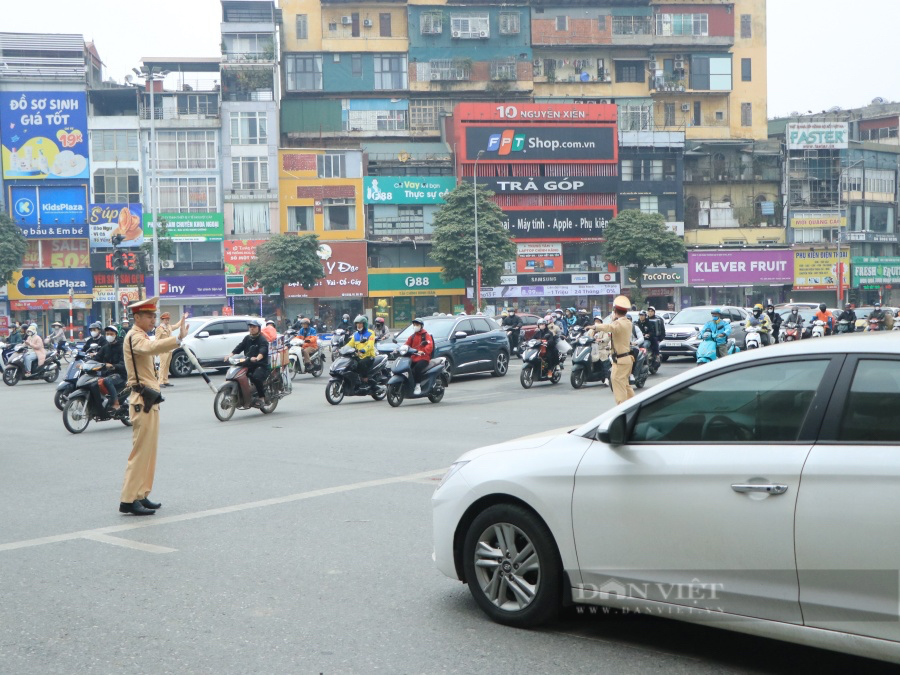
(584, 367)
(843, 326)
(655, 359)
(90, 400)
(706, 352)
(295, 358)
(345, 380)
(402, 384)
(640, 371)
(791, 332)
(70, 379)
(818, 329)
(15, 368)
(534, 362)
(514, 337)
(238, 391)
(752, 339)
(874, 326)
(338, 340)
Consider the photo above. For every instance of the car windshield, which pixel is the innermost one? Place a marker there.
(194, 324)
(438, 328)
(692, 315)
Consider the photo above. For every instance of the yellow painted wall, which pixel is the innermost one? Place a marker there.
(753, 92)
(707, 236)
(370, 39)
(290, 9)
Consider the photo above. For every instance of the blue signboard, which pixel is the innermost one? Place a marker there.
(47, 211)
(51, 283)
(43, 135)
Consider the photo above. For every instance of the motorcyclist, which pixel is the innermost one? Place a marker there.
(112, 355)
(95, 337)
(36, 345)
(363, 341)
(882, 316)
(650, 327)
(270, 332)
(850, 316)
(720, 329)
(345, 323)
(126, 326)
(256, 348)
(570, 318)
(824, 314)
(298, 323)
(423, 343)
(57, 338)
(765, 324)
(775, 318)
(381, 330)
(513, 324)
(583, 320)
(307, 333)
(560, 322)
(545, 333)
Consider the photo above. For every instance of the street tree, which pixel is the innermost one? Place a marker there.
(13, 247)
(453, 240)
(640, 240)
(286, 259)
(165, 245)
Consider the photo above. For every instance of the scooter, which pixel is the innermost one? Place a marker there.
(238, 392)
(90, 400)
(513, 336)
(70, 380)
(534, 361)
(752, 339)
(345, 380)
(843, 326)
(818, 329)
(640, 371)
(791, 332)
(584, 367)
(295, 359)
(338, 339)
(706, 352)
(874, 326)
(402, 384)
(15, 368)
(655, 360)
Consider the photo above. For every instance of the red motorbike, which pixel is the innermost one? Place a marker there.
(238, 391)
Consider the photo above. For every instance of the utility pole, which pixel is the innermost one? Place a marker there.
(477, 258)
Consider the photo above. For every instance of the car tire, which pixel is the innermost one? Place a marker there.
(494, 572)
(449, 370)
(501, 365)
(181, 365)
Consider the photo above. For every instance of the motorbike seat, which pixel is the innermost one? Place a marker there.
(379, 362)
(439, 361)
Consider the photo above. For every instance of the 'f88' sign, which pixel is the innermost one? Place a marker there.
(417, 281)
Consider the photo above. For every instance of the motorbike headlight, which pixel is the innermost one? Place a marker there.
(456, 466)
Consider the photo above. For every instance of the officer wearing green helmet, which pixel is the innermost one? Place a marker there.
(363, 341)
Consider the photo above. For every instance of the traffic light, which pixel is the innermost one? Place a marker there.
(118, 261)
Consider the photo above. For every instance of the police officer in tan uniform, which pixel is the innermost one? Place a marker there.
(139, 351)
(621, 330)
(164, 330)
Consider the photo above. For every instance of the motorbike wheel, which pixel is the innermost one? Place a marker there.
(654, 367)
(641, 380)
(663, 358)
(577, 379)
(11, 376)
(270, 408)
(225, 403)
(557, 375)
(334, 392)
(316, 369)
(52, 374)
(127, 419)
(59, 400)
(437, 392)
(380, 393)
(395, 394)
(526, 379)
(296, 368)
(76, 415)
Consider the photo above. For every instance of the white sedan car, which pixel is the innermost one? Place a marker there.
(759, 493)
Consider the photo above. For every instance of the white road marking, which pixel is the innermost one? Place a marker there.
(154, 521)
(129, 543)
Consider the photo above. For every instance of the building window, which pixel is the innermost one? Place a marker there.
(303, 73)
(431, 23)
(635, 117)
(746, 26)
(250, 173)
(746, 70)
(630, 71)
(601, 23)
(356, 65)
(390, 71)
(509, 23)
(632, 25)
(186, 150)
(116, 186)
(562, 23)
(332, 166)
(302, 27)
(648, 169)
(339, 214)
(746, 114)
(627, 170)
(425, 113)
(669, 115)
(248, 46)
(251, 218)
(504, 69)
(191, 195)
(649, 204)
(698, 114)
(109, 145)
(470, 27)
(300, 219)
(711, 73)
(682, 24)
(384, 24)
(390, 120)
(249, 128)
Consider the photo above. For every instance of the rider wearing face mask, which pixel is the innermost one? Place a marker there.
(423, 343)
(95, 337)
(112, 355)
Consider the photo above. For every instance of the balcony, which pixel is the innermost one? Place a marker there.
(503, 70)
(181, 106)
(266, 57)
(450, 70)
(732, 175)
(688, 41)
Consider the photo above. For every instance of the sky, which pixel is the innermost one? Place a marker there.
(822, 53)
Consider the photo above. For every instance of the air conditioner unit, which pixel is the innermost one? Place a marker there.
(685, 107)
(679, 65)
(367, 23)
(455, 34)
(346, 20)
(483, 33)
(654, 65)
(167, 264)
(435, 76)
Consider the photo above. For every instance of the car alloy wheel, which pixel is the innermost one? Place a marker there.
(501, 365)
(181, 365)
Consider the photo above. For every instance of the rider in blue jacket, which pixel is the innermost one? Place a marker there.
(720, 329)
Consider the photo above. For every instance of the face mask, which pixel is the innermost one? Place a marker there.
(417, 328)
(110, 338)
(95, 333)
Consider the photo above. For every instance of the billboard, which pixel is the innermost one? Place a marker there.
(344, 264)
(527, 143)
(740, 268)
(238, 252)
(411, 281)
(46, 212)
(51, 283)
(816, 270)
(190, 227)
(106, 220)
(817, 135)
(406, 189)
(552, 185)
(875, 271)
(657, 276)
(545, 291)
(542, 257)
(818, 219)
(43, 135)
(173, 288)
(57, 253)
(559, 224)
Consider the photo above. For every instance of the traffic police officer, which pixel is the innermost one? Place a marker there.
(139, 351)
(622, 330)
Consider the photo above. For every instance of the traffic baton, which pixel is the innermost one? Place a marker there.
(193, 359)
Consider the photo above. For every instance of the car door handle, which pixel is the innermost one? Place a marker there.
(772, 489)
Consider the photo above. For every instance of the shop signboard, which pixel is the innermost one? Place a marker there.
(538, 257)
(511, 143)
(108, 279)
(816, 269)
(27, 305)
(560, 279)
(46, 212)
(57, 253)
(44, 135)
(412, 281)
(238, 252)
(108, 220)
(129, 293)
(51, 283)
(875, 271)
(818, 135)
(344, 264)
(407, 189)
(822, 220)
(559, 224)
(740, 268)
(492, 292)
(657, 277)
(189, 227)
(173, 288)
(541, 184)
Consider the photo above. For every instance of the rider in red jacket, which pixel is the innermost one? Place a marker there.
(423, 343)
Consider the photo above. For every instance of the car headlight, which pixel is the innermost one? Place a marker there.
(456, 466)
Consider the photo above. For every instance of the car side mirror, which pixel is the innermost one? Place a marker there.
(613, 432)
(202, 334)
(460, 334)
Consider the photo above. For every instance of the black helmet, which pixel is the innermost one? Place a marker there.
(847, 305)
(822, 307)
